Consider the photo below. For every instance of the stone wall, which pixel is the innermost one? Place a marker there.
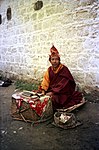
(71, 25)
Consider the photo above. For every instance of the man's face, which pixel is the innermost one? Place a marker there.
(55, 61)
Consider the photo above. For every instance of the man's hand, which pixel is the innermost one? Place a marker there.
(49, 94)
(43, 92)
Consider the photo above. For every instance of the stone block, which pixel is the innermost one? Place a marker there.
(41, 15)
(34, 16)
(38, 26)
(86, 2)
(50, 10)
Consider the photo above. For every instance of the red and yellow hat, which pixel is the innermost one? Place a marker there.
(54, 52)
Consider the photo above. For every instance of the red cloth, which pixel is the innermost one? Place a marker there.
(35, 104)
(62, 85)
(39, 106)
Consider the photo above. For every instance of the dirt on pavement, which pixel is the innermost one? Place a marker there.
(19, 135)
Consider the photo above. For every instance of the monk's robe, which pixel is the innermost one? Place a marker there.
(62, 84)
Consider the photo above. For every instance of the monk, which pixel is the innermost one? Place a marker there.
(59, 83)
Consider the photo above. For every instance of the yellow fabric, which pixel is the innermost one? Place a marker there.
(58, 69)
(46, 81)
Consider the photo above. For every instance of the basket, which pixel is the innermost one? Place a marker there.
(65, 120)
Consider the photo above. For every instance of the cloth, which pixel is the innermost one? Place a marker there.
(46, 80)
(62, 84)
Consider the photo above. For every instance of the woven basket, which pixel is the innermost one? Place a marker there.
(70, 123)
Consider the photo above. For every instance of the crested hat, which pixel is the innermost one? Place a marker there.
(54, 51)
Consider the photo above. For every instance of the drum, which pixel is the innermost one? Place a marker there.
(31, 107)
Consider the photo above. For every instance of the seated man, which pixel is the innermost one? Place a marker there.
(59, 83)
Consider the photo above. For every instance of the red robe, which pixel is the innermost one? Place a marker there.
(63, 85)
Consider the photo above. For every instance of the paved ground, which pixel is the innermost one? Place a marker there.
(18, 135)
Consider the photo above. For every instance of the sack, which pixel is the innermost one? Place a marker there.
(31, 107)
(5, 82)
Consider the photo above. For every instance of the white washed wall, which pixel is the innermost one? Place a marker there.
(71, 25)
